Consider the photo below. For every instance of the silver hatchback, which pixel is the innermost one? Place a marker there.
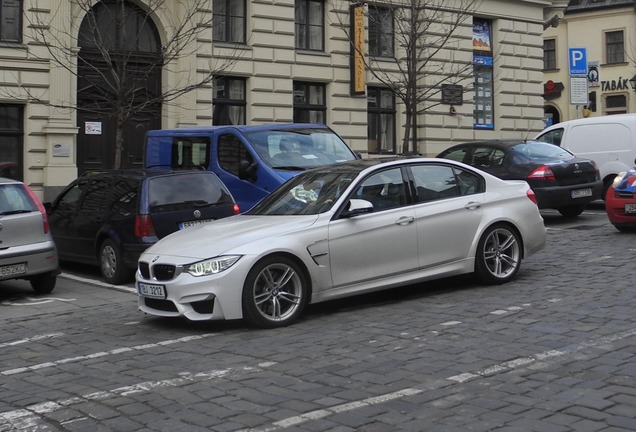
(27, 250)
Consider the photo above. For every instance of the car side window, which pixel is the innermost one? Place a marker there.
(385, 190)
(434, 182)
(124, 196)
(95, 196)
(232, 151)
(469, 183)
(71, 198)
(458, 155)
(487, 157)
(552, 137)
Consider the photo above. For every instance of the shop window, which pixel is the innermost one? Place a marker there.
(483, 107)
(615, 104)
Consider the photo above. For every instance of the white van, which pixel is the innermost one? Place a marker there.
(609, 140)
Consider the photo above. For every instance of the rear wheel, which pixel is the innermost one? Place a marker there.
(111, 263)
(498, 256)
(275, 292)
(571, 211)
(43, 283)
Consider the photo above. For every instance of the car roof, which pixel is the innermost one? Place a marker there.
(241, 128)
(499, 143)
(142, 173)
(5, 180)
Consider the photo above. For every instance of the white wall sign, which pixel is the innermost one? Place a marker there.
(93, 128)
(578, 91)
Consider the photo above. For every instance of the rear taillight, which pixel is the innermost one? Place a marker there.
(237, 210)
(41, 209)
(144, 227)
(542, 173)
(530, 194)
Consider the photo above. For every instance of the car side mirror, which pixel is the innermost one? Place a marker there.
(247, 171)
(357, 207)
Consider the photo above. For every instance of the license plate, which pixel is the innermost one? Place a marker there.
(189, 224)
(153, 291)
(580, 193)
(13, 269)
(630, 208)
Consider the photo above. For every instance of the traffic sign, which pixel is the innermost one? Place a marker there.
(578, 61)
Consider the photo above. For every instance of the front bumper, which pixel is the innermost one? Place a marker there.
(215, 297)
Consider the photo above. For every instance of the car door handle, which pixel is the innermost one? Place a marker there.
(473, 205)
(404, 220)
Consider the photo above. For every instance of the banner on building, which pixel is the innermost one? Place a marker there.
(358, 84)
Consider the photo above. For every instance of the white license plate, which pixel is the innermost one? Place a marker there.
(13, 269)
(630, 208)
(153, 291)
(189, 224)
(580, 193)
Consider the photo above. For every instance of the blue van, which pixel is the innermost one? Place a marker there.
(252, 160)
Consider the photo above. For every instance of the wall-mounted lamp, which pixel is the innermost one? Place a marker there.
(632, 82)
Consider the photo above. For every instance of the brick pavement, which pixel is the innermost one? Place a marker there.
(552, 351)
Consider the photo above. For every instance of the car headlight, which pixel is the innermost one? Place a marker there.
(211, 266)
(619, 178)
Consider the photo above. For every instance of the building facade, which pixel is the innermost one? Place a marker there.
(65, 105)
(605, 30)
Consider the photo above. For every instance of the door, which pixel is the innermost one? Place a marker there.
(382, 244)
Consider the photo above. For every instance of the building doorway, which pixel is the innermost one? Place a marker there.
(118, 85)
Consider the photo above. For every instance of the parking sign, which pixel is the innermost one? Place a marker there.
(578, 61)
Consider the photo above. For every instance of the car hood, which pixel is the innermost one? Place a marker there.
(217, 237)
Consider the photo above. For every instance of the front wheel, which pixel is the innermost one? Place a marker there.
(111, 264)
(275, 293)
(498, 256)
(43, 283)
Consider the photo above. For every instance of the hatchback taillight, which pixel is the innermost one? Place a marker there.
(237, 210)
(542, 173)
(144, 226)
(41, 209)
(530, 194)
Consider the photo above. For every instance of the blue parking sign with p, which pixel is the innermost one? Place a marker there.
(578, 61)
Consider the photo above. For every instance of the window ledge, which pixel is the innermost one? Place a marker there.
(311, 52)
(615, 64)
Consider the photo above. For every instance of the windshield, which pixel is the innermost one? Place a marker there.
(306, 194)
(299, 149)
(541, 152)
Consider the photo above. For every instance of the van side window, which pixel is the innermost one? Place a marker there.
(231, 152)
(552, 137)
(190, 152)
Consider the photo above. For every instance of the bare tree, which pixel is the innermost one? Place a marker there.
(117, 58)
(428, 40)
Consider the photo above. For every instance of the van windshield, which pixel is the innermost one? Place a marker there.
(299, 149)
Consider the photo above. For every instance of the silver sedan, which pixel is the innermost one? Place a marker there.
(342, 230)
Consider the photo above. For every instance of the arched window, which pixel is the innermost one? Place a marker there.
(118, 25)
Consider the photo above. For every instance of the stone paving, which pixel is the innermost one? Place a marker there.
(555, 350)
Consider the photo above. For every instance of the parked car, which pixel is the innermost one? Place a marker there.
(620, 201)
(28, 250)
(341, 230)
(251, 160)
(559, 179)
(110, 218)
(608, 140)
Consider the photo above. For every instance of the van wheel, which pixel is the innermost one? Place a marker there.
(571, 211)
(606, 185)
(111, 264)
(43, 283)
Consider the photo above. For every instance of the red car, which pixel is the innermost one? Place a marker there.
(620, 201)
